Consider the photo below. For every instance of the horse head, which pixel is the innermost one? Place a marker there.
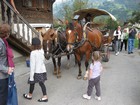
(49, 39)
(73, 35)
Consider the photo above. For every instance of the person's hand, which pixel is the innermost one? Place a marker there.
(31, 79)
(10, 70)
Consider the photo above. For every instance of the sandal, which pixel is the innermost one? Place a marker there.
(27, 96)
(43, 100)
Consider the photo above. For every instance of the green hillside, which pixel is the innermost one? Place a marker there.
(121, 9)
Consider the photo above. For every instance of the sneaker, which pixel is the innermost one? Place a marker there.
(86, 96)
(117, 53)
(97, 98)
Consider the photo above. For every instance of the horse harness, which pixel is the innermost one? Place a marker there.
(78, 44)
(56, 45)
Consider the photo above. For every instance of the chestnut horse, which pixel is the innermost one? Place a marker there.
(54, 44)
(83, 41)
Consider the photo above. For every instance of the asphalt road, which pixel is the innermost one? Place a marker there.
(120, 83)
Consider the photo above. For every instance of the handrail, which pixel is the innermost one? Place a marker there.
(23, 20)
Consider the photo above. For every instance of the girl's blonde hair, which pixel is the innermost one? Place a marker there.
(96, 55)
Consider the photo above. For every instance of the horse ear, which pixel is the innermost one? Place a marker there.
(66, 22)
(42, 34)
(51, 36)
(51, 27)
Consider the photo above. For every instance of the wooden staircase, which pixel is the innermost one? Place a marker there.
(21, 31)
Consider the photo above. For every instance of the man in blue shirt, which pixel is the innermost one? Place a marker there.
(131, 39)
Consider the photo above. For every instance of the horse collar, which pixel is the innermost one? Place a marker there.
(85, 35)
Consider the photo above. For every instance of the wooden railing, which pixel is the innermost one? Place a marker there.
(20, 28)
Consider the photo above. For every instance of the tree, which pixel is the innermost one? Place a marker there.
(112, 25)
(135, 16)
(76, 5)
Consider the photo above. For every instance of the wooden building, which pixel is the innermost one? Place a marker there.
(36, 11)
(34, 15)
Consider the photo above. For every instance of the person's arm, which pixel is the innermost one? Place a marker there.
(90, 71)
(89, 74)
(138, 35)
(13, 4)
(3, 68)
(101, 68)
(114, 34)
(32, 66)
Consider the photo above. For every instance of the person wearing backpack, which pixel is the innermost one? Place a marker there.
(117, 39)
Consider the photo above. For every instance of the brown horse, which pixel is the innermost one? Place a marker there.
(83, 41)
(54, 44)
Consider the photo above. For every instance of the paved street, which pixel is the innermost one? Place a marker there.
(120, 83)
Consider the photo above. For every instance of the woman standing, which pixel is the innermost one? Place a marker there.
(124, 38)
(11, 2)
(117, 40)
(5, 68)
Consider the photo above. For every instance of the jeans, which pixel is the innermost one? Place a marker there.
(130, 45)
(3, 91)
(117, 46)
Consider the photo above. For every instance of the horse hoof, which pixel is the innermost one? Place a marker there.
(58, 76)
(54, 73)
(79, 77)
(85, 78)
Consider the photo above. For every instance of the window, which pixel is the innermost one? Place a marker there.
(27, 3)
(40, 5)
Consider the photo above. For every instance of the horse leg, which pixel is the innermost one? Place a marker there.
(86, 65)
(79, 64)
(68, 64)
(75, 60)
(55, 68)
(58, 70)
